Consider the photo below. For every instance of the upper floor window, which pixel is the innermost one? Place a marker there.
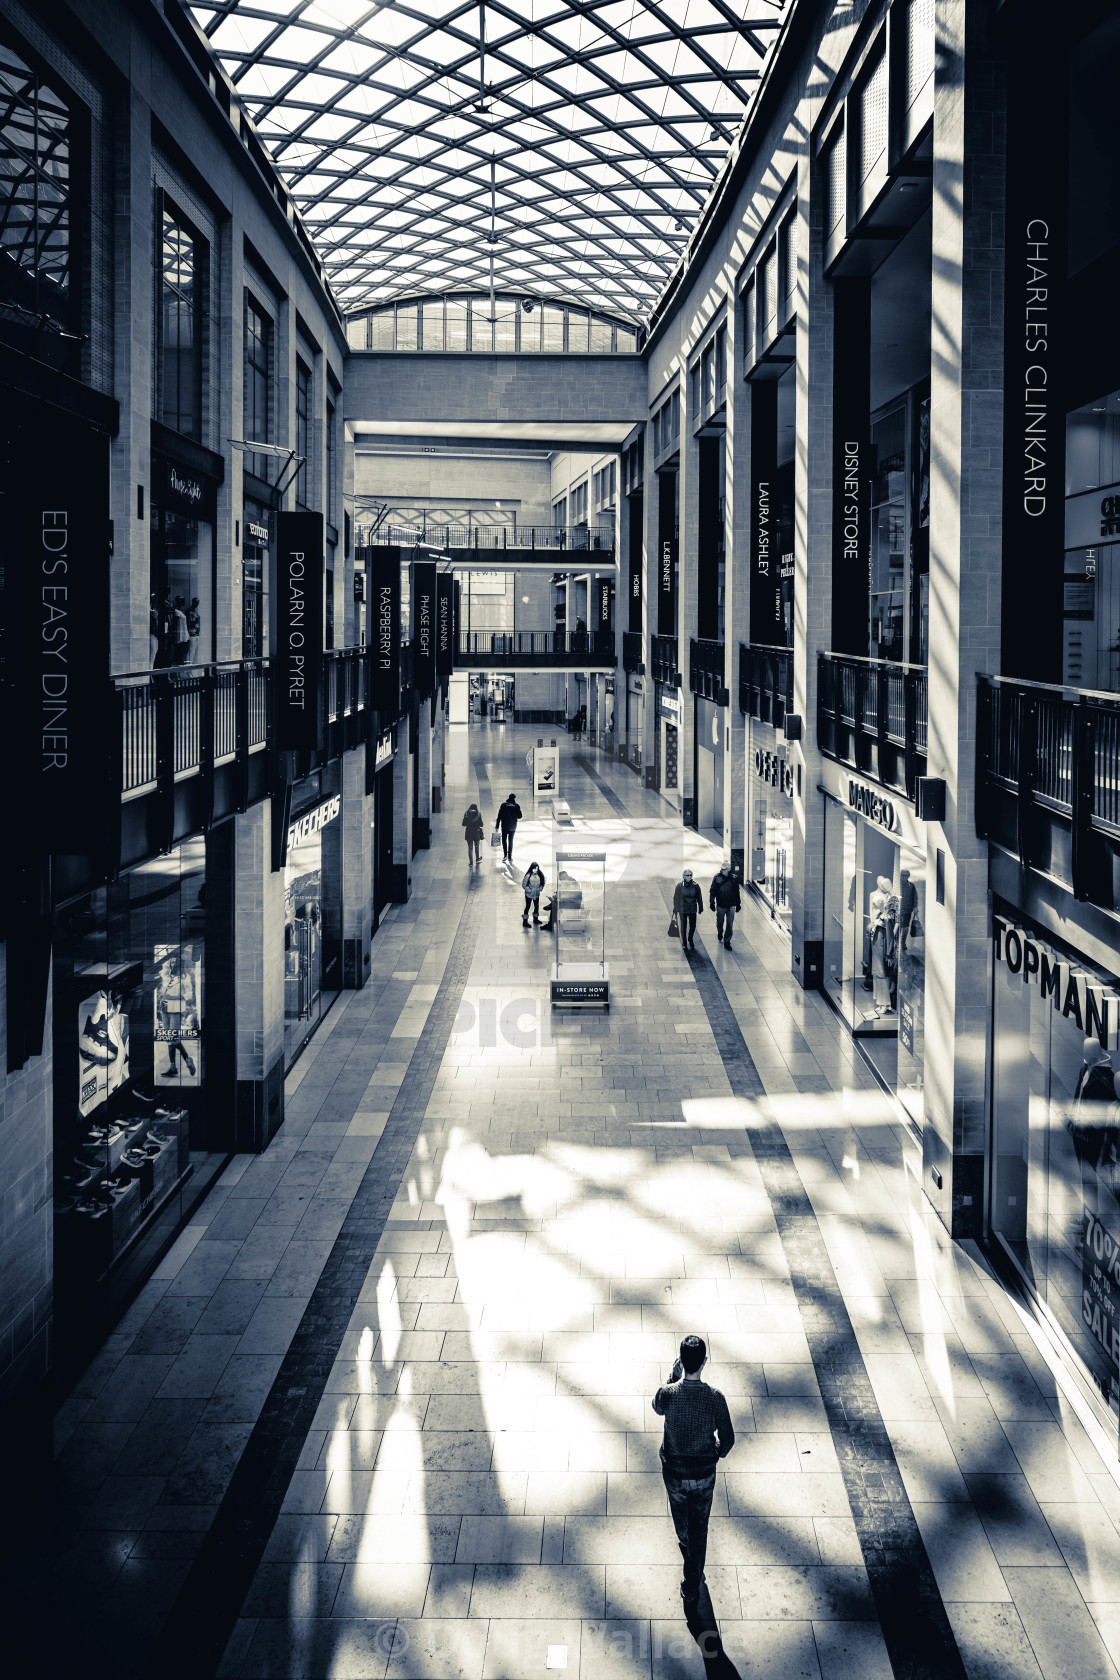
(303, 430)
(183, 260)
(36, 209)
(258, 384)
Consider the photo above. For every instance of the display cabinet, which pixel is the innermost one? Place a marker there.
(580, 977)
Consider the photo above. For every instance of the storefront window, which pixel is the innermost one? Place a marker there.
(1091, 582)
(182, 602)
(183, 262)
(131, 1123)
(254, 579)
(312, 912)
(888, 537)
(35, 211)
(1056, 1148)
(770, 792)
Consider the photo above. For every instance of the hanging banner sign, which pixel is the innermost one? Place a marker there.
(385, 631)
(666, 594)
(299, 638)
(603, 615)
(55, 548)
(445, 624)
(634, 591)
(765, 587)
(853, 466)
(424, 626)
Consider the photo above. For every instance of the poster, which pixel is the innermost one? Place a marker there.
(545, 779)
(1100, 1298)
(102, 1049)
(177, 1005)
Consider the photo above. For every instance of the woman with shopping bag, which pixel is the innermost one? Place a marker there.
(532, 885)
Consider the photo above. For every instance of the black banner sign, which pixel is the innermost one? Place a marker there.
(299, 630)
(55, 546)
(385, 632)
(765, 587)
(424, 626)
(853, 467)
(603, 615)
(666, 554)
(445, 624)
(635, 557)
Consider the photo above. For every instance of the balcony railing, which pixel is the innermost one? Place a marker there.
(663, 660)
(548, 538)
(535, 648)
(190, 717)
(632, 646)
(765, 682)
(872, 715)
(705, 670)
(1048, 781)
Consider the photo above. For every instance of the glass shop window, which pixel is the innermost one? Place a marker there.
(888, 538)
(183, 263)
(36, 213)
(303, 432)
(258, 386)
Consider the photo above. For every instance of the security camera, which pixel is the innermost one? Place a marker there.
(527, 305)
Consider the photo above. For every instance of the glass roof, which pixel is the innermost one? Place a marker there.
(560, 147)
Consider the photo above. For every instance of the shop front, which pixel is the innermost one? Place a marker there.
(632, 748)
(256, 542)
(182, 600)
(312, 908)
(138, 1132)
(1054, 1190)
(874, 926)
(382, 820)
(711, 723)
(770, 819)
(667, 768)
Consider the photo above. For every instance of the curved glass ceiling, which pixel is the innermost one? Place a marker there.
(565, 152)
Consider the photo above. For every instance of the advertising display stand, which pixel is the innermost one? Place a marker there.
(580, 977)
(544, 766)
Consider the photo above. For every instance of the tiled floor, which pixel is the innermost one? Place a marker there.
(384, 1411)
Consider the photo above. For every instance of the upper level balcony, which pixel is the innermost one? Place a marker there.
(1048, 782)
(663, 661)
(765, 682)
(632, 647)
(536, 650)
(705, 670)
(570, 546)
(872, 716)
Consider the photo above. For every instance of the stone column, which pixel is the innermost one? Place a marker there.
(438, 749)
(812, 589)
(687, 587)
(650, 535)
(258, 898)
(356, 855)
(737, 595)
(964, 621)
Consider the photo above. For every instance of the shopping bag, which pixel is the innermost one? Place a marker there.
(496, 837)
(916, 938)
(674, 927)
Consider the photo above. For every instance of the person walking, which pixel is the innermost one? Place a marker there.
(698, 1433)
(475, 829)
(194, 630)
(725, 898)
(532, 885)
(509, 815)
(688, 903)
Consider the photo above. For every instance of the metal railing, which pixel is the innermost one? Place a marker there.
(1048, 781)
(765, 682)
(194, 717)
(550, 538)
(189, 717)
(663, 660)
(632, 648)
(872, 715)
(706, 670)
(535, 647)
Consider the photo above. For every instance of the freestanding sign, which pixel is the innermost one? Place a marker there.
(385, 632)
(55, 545)
(424, 626)
(299, 636)
(445, 624)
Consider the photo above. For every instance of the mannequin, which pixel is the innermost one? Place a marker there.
(881, 938)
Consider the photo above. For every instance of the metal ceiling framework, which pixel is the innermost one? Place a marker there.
(562, 148)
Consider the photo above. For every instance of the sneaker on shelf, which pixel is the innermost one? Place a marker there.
(93, 1209)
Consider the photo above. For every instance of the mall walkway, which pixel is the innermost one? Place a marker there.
(384, 1410)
